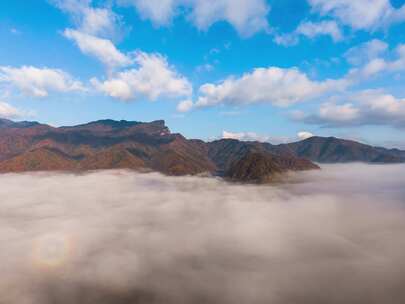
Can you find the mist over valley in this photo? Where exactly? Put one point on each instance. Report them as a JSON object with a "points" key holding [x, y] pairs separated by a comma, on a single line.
{"points": [[325, 236]]}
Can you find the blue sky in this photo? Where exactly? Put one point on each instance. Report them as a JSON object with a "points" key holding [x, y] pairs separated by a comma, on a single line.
{"points": [[274, 70]]}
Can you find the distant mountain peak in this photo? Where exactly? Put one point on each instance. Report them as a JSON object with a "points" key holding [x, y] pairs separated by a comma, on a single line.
{"points": [[119, 124], [337, 150], [111, 123], [6, 123], [160, 122]]}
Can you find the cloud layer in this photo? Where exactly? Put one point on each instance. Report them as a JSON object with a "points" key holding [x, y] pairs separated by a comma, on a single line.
{"points": [[365, 15], [96, 21], [311, 30], [246, 16], [333, 236], [363, 108], [360, 14]]}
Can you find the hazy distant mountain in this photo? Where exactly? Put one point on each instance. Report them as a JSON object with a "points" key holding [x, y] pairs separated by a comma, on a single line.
{"points": [[109, 144], [335, 150], [317, 149]]}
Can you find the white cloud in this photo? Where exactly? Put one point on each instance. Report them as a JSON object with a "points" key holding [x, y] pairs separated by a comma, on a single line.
{"points": [[399, 63], [275, 140], [38, 82], [277, 86], [160, 12], [204, 68], [246, 16], [103, 49], [366, 52], [153, 78], [311, 30], [151, 238], [376, 65], [252, 136], [288, 86], [304, 135], [10, 112], [90, 20], [288, 39], [98, 21], [372, 68], [245, 136], [185, 106], [371, 107], [95, 27], [360, 14], [342, 113]]}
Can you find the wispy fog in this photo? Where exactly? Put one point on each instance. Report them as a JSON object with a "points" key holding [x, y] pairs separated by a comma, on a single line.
{"points": [[115, 237]]}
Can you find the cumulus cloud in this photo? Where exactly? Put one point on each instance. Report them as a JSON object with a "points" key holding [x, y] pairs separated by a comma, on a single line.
{"points": [[304, 135], [287, 86], [366, 52], [155, 239], [10, 112], [253, 136], [246, 16], [286, 39], [273, 85], [38, 82], [245, 136], [311, 30], [371, 107], [185, 106], [360, 14], [96, 21], [153, 78], [369, 15], [103, 49], [373, 60], [160, 12]]}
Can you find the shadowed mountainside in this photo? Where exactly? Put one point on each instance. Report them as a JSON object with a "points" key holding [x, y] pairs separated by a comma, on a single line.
{"points": [[265, 167], [109, 144]]}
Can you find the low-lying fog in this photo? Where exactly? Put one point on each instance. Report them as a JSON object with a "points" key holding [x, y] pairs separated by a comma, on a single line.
{"points": [[115, 237]]}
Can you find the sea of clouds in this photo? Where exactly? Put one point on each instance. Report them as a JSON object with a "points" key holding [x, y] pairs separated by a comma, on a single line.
{"points": [[117, 237]]}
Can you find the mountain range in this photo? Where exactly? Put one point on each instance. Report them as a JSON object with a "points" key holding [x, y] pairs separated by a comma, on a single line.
{"points": [[110, 144]]}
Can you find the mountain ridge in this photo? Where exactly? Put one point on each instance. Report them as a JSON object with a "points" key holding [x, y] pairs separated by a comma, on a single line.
{"points": [[336, 150], [111, 144]]}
